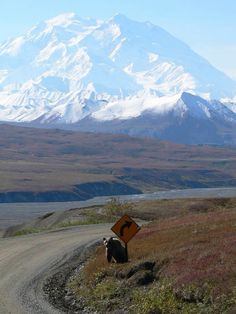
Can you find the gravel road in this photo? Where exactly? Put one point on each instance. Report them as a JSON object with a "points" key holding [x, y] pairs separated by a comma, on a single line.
{"points": [[26, 261]]}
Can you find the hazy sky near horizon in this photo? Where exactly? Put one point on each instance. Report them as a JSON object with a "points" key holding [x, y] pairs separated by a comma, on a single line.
{"points": [[207, 26]]}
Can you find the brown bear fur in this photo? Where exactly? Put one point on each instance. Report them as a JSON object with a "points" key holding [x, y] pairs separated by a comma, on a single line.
{"points": [[115, 250]]}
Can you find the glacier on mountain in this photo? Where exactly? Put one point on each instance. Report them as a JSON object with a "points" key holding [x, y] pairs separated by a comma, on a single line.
{"points": [[68, 68]]}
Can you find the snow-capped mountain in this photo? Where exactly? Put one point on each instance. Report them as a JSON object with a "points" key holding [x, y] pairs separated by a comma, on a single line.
{"points": [[68, 69], [230, 103], [190, 120]]}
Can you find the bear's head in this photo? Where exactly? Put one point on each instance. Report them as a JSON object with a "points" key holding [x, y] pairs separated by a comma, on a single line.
{"points": [[108, 242]]}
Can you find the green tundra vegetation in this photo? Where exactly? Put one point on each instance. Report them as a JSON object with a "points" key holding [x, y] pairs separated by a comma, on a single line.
{"points": [[182, 261]]}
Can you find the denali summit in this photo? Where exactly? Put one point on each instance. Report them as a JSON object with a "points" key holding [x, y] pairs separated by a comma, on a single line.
{"points": [[115, 76]]}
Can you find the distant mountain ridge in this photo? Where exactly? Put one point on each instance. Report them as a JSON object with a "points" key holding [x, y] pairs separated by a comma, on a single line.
{"points": [[81, 72], [192, 120]]}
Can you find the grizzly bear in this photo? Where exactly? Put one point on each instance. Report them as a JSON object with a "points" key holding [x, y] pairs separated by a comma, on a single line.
{"points": [[115, 250]]}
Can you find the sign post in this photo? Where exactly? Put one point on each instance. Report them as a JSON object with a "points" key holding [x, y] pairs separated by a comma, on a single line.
{"points": [[125, 228]]}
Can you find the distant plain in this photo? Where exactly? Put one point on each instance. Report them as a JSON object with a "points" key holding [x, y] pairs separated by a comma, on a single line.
{"points": [[48, 160]]}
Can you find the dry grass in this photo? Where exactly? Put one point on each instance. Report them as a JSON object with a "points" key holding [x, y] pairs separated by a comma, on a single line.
{"points": [[194, 252], [198, 248]]}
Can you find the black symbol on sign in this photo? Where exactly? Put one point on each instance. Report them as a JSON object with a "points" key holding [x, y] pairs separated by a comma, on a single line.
{"points": [[127, 224]]}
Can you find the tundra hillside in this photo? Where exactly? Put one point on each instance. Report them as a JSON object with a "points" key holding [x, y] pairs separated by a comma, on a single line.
{"points": [[184, 261], [58, 163]]}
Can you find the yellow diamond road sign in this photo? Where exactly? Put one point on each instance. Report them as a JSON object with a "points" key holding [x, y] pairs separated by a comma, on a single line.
{"points": [[125, 228]]}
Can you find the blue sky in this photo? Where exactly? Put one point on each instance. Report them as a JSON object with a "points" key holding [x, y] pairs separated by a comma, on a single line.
{"points": [[207, 26]]}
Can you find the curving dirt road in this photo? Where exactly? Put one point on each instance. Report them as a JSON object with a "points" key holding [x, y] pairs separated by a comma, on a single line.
{"points": [[27, 260]]}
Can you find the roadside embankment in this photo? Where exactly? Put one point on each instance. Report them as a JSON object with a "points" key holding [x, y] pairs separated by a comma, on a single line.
{"points": [[182, 262]]}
